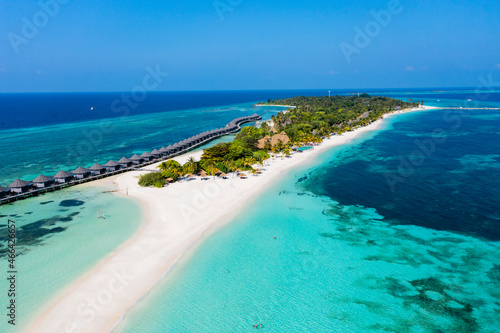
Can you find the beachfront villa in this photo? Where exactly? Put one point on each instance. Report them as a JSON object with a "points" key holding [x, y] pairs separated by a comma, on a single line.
{"points": [[81, 173], [97, 169], [280, 137], [19, 186], [62, 177], [124, 162], [136, 159], [112, 166], [262, 142], [42, 181]]}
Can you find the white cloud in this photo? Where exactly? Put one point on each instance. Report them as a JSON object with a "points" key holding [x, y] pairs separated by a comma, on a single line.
{"points": [[497, 66], [409, 69]]}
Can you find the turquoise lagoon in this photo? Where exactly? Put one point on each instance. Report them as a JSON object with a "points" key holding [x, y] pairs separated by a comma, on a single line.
{"points": [[59, 238], [305, 258]]}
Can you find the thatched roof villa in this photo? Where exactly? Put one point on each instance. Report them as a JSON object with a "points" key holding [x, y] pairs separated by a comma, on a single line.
{"points": [[42, 181], [19, 186]]}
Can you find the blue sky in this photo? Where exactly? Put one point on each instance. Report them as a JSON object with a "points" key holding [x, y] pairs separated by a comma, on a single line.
{"points": [[247, 44]]}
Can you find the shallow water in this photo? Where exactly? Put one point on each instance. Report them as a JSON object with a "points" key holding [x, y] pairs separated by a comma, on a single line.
{"points": [[408, 262], [58, 239]]}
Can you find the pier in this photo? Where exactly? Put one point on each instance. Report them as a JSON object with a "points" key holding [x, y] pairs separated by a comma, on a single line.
{"points": [[20, 190]]}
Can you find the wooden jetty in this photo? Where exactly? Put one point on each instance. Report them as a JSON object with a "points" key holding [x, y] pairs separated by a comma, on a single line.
{"points": [[8, 195]]}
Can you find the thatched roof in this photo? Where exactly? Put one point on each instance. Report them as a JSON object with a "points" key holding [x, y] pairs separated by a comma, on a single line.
{"points": [[163, 150], [203, 173], [4, 189], [42, 179], [124, 160], [242, 175], [135, 158], [62, 174], [176, 145], [155, 152], [238, 170], [169, 179], [80, 171], [223, 175], [262, 142], [111, 163], [280, 137], [96, 167], [146, 154], [19, 183]]}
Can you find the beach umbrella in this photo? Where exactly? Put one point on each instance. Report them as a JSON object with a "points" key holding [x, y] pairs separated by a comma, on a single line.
{"points": [[242, 175], [223, 175], [238, 171], [168, 180], [203, 173]]}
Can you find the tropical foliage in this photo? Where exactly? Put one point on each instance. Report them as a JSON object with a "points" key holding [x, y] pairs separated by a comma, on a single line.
{"points": [[312, 119]]}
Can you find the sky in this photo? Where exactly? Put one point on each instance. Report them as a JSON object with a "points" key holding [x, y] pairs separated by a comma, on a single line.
{"points": [[69, 45]]}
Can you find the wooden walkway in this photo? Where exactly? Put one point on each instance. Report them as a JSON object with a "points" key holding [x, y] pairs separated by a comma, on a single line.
{"points": [[140, 167]]}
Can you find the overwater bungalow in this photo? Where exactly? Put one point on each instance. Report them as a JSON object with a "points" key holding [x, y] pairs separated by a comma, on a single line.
{"points": [[147, 156], [62, 177], [97, 169], [4, 191], [125, 162], [112, 166], [81, 173], [164, 151], [136, 159], [156, 153], [19, 186], [42, 181], [176, 147]]}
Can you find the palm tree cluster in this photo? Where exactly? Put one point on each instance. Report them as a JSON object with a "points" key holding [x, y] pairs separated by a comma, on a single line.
{"points": [[311, 120], [316, 117]]}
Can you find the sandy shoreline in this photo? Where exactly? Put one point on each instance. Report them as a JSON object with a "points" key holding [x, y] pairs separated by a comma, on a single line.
{"points": [[176, 218]]}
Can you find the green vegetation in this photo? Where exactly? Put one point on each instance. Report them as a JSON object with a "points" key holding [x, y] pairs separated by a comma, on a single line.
{"points": [[323, 116], [155, 179], [313, 119]]}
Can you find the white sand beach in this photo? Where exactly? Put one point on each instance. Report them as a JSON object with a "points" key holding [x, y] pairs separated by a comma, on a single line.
{"points": [[176, 218]]}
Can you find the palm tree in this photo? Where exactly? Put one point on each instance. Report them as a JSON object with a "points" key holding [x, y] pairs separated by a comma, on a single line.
{"points": [[170, 164], [248, 161], [212, 170], [191, 166]]}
